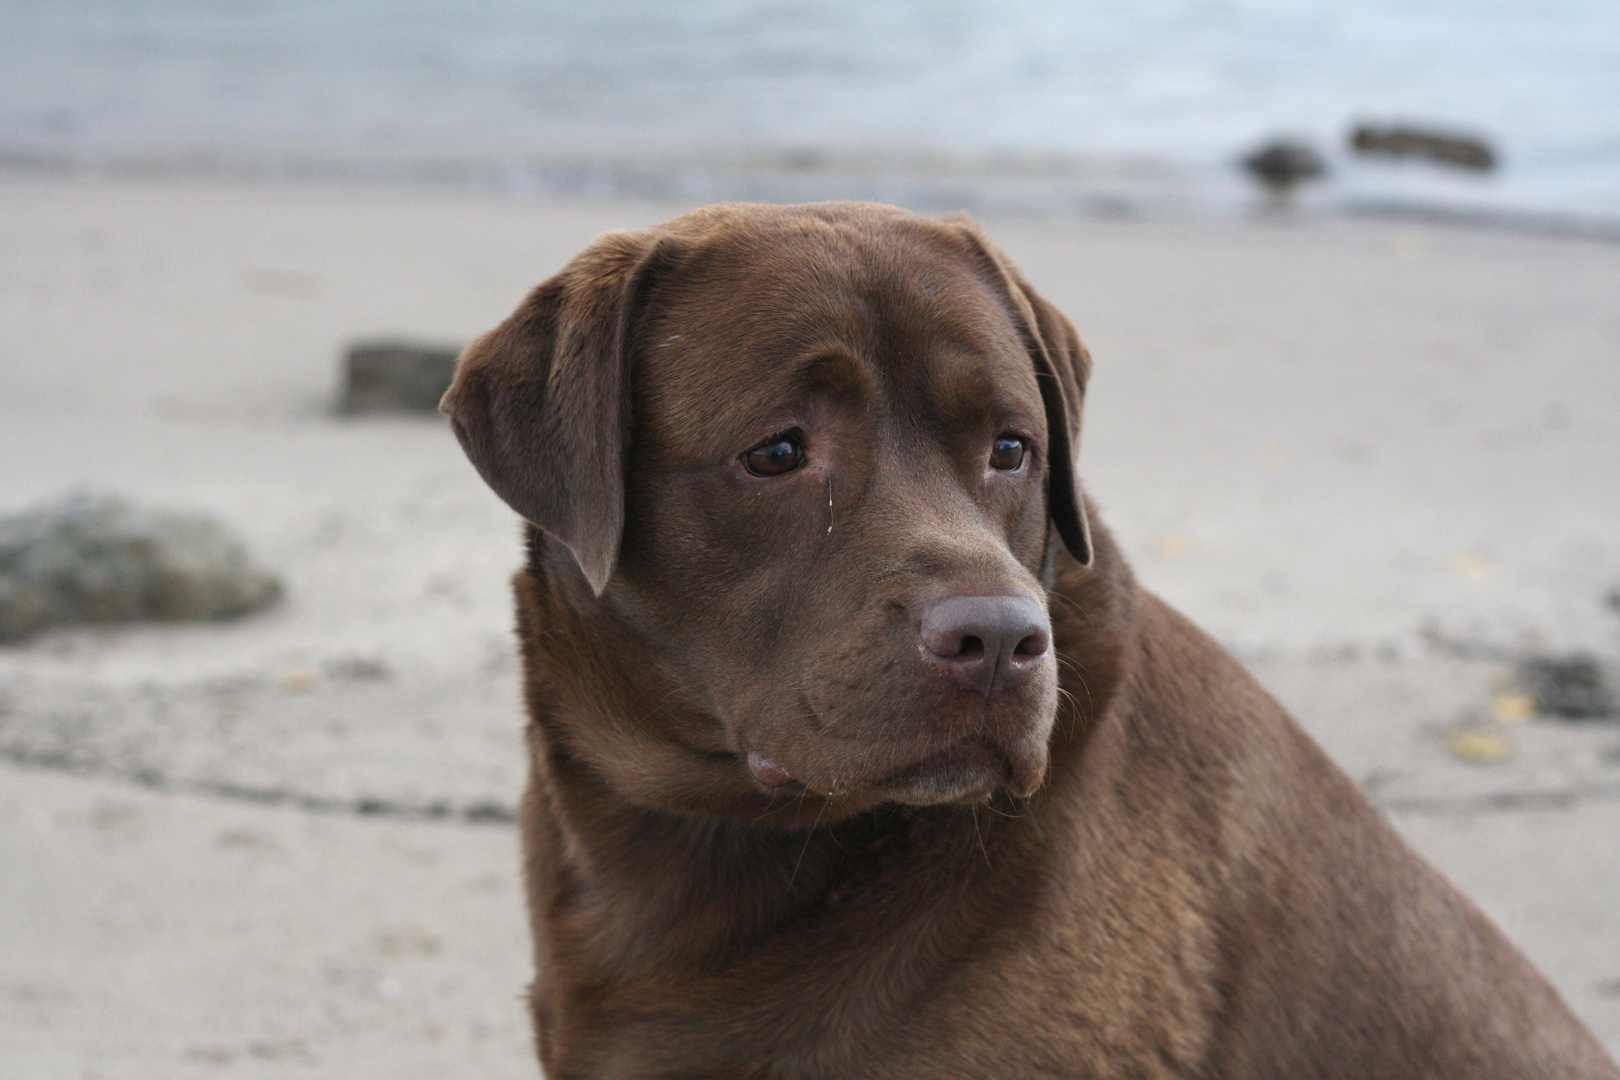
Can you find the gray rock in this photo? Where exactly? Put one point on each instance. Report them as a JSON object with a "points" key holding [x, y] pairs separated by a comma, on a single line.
{"points": [[396, 377], [1440, 147], [1575, 687], [96, 559], [1282, 164]]}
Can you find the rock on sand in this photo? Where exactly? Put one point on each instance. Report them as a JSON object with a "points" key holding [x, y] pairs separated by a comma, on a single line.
{"points": [[97, 559], [396, 377]]}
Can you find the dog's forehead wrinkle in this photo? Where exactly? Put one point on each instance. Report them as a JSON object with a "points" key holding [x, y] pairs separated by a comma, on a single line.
{"points": [[755, 361], [836, 371], [787, 261], [850, 312]]}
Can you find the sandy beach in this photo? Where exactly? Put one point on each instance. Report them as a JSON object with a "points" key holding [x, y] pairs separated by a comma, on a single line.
{"points": [[1376, 458]]}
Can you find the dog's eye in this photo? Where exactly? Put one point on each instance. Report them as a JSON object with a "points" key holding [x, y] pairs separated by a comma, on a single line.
{"points": [[1008, 453], [775, 457]]}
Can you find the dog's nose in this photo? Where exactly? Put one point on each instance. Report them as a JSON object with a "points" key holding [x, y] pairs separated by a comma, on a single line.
{"points": [[986, 643]]}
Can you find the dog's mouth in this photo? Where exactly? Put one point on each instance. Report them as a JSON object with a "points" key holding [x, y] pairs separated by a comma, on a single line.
{"points": [[966, 771]]}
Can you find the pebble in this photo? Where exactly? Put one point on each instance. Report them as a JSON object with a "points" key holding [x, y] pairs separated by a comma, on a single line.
{"points": [[1442, 148], [1479, 747], [1576, 686], [1282, 164]]}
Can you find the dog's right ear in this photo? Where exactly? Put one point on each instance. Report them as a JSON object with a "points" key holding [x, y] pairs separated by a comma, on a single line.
{"points": [[541, 404]]}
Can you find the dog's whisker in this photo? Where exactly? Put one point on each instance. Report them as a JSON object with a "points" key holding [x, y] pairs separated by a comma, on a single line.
{"points": [[1080, 675], [772, 807], [1086, 615], [808, 836], [1002, 813], [977, 835], [662, 702]]}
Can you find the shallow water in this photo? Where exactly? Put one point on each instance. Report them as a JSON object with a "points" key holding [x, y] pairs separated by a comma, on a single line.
{"points": [[1120, 104]]}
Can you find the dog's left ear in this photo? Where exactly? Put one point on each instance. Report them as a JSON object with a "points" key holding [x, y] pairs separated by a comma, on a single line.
{"points": [[1062, 366], [541, 404]]}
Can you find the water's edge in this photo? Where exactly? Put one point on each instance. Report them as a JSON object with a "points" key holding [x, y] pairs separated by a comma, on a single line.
{"points": [[1044, 189]]}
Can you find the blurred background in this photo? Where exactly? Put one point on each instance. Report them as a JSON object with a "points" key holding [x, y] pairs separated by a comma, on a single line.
{"points": [[1031, 104], [1349, 272]]}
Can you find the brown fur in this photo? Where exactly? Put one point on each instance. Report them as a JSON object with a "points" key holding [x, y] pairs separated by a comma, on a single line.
{"points": [[1131, 864]]}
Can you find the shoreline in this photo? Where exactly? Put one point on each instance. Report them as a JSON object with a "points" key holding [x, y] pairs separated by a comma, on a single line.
{"points": [[1035, 188]]}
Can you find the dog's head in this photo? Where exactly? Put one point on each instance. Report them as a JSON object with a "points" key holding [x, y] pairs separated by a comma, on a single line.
{"points": [[820, 460]]}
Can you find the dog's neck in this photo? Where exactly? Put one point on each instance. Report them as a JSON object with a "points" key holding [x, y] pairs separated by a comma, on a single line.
{"points": [[702, 886]]}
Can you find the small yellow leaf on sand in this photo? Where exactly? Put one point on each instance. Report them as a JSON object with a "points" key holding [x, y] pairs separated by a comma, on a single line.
{"points": [[1513, 708], [1479, 747]]}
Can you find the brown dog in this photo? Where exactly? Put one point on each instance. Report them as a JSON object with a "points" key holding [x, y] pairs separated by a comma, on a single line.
{"points": [[819, 788]]}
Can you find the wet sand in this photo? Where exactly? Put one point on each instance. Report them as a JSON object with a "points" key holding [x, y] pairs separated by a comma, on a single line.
{"points": [[1376, 459]]}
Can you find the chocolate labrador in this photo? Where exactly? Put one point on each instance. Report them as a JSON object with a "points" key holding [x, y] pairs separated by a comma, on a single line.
{"points": [[857, 752]]}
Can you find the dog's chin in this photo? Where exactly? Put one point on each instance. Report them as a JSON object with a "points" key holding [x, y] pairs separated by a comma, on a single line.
{"points": [[970, 771]]}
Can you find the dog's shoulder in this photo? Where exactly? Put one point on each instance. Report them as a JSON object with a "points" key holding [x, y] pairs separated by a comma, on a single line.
{"points": [[1328, 943]]}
